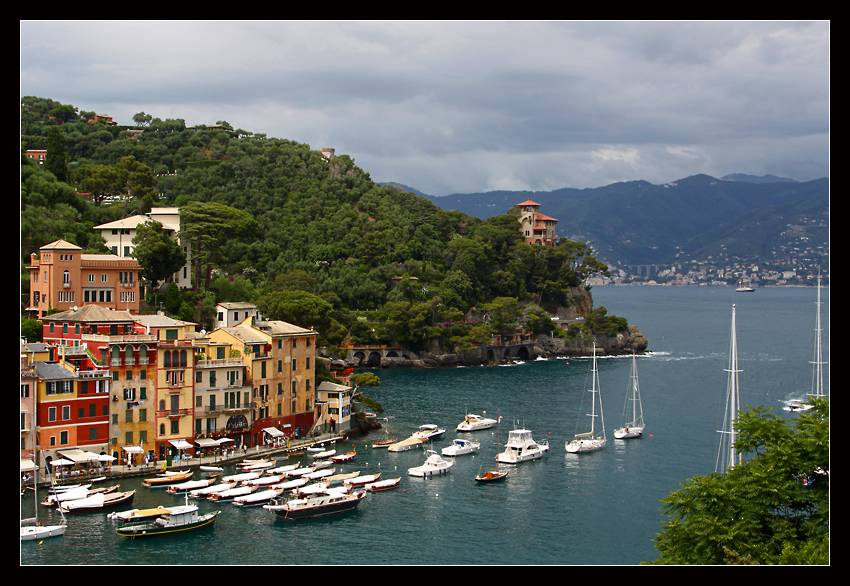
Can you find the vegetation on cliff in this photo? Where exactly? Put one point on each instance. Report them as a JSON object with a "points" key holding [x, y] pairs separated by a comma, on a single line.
{"points": [[311, 241]]}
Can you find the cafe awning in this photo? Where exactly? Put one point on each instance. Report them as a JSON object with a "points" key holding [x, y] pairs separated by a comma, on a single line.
{"points": [[180, 444], [273, 431], [133, 449], [206, 442], [79, 456]]}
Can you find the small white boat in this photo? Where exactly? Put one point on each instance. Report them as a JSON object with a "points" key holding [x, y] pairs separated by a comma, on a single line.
{"points": [[460, 447], [362, 480], [138, 515], [338, 479], [521, 447], [203, 493], [315, 488], [475, 422], [281, 470], [257, 466], [212, 468], [325, 454], [298, 472], [290, 484], [241, 477], [319, 464], [263, 481], [232, 493], [429, 431], [347, 457], [190, 485], [383, 485], [315, 475], [257, 498], [434, 465]]}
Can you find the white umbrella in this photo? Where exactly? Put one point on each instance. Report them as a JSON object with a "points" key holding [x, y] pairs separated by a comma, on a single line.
{"points": [[106, 458], [61, 462]]}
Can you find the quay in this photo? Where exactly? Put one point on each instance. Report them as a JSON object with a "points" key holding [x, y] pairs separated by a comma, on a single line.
{"points": [[116, 471]]}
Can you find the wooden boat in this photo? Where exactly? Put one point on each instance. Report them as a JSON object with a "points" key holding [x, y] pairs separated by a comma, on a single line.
{"points": [[494, 474], [80, 492], [177, 519], [98, 502], [241, 477], [317, 474], [139, 515], [263, 481], [388, 484], [212, 469], [387, 441], [203, 493], [362, 480], [331, 502], [324, 454], [347, 457], [338, 479], [166, 479], [291, 484], [232, 493]]}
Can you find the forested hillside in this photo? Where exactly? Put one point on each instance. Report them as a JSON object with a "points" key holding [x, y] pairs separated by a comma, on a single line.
{"points": [[313, 242]]}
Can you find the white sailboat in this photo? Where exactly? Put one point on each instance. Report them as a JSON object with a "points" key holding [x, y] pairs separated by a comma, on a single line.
{"points": [[727, 454], [817, 364], [590, 442], [31, 529], [635, 427]]}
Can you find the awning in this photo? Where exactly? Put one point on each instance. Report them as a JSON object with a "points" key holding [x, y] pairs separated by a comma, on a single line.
{"points": [[27, 466], [79, 456], [273, 431], [206, 442], [224, 440], [133, 449], [180, 444]]}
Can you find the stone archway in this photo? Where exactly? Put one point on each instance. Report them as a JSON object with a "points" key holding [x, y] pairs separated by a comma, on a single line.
{"points": [[374, 359]]}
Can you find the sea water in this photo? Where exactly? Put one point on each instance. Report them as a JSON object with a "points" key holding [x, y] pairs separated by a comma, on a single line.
{"points": [[598, 508]]}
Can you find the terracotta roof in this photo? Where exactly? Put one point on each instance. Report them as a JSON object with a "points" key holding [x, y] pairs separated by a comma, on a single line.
{"points": [[60, 245], [528, 202], [91, 313]]}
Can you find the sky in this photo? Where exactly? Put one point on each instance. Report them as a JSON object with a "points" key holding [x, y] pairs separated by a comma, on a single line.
{"points": [[469, 106]]}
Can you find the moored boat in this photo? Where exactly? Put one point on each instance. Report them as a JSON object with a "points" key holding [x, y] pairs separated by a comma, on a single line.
{"points": [[460, 447], [475, 422], [98, 502], [166, 479], [257, 498], [589, 441], [429, 431], [330, 502], [324, 454], [362, 480], [434, 465], [380, 485], [521, 447], [347, 457], [177, 519], [232, 493], [189, 485], [633, 427], [407, 444]]}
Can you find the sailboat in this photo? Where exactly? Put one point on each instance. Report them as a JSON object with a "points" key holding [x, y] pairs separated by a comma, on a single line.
{"points": [[387, 441], [633, 428], [727, 454], [493, 475], [586, 442], [817, 362]]}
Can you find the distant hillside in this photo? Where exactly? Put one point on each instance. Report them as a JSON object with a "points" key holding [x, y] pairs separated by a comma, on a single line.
{"points": [[757, 179], [637, 222]]}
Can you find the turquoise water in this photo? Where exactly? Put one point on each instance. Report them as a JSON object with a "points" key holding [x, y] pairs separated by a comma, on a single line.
{"points": [[599, 508]]}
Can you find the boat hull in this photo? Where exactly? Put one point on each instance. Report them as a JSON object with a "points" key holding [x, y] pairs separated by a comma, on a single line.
{"points": [[584, 446], [492, 476], [322, 510], [630, 432], [150, 529], [383, 485], [41, 532]]}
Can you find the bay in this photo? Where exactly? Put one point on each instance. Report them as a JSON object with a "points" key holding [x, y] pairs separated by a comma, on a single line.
{"points": [[600, 508]]}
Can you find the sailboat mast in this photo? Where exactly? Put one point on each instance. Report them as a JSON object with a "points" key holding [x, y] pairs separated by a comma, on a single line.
{"points": [[817, 382], [729, 434]]}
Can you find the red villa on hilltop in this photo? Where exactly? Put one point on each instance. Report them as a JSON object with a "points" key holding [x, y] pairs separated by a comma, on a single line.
{"points": [[537, 228]]}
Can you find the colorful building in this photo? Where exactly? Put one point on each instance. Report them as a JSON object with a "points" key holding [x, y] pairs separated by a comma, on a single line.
{"points": [[62, 277]]}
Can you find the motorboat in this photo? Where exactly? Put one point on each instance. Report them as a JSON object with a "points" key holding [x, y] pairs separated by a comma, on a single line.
{"points": [[429, 431], [475, 422], [460, 447], [497, 473], [98, 502], [330, 502], [388, 484], [434, 465], [407, 444], [521, 447], [177, 519], [166, 479]]}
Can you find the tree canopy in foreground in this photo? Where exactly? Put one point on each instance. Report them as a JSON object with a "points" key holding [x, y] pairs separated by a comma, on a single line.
{"points": [[771, 509]]}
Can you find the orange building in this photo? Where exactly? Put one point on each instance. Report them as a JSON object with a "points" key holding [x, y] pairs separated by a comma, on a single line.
{"points": [[62, 277], [537, 228]]}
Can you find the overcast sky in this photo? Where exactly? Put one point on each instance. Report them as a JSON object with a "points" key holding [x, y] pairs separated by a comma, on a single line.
{"points": [[466, 106]]}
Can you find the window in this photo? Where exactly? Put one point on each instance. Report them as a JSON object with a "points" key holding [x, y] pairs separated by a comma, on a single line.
{"points": [[51, 413], [92, 433], [66, 278], [66, 413], [143, 415], [199, 377], [128, 416], [63, 438], [91, 277]]}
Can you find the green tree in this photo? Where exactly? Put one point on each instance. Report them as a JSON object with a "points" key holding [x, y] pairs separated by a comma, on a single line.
{"points": [[504, 313], [159, 256], [296, 307], [207, 226], [772, 508], [57, 155], [142, 119]]}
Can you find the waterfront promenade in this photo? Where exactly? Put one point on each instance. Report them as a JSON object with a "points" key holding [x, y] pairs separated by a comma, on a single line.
{"points": [[231, 456]]}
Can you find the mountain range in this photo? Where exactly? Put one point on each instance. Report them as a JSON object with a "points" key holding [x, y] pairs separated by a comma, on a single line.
{"points": [[638, 223]]}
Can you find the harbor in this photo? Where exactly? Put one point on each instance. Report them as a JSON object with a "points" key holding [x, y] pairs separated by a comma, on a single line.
{"points": [[597, 508]]}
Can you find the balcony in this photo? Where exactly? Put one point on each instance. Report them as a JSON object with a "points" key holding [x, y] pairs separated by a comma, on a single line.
{"points": [[171, 414]]}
